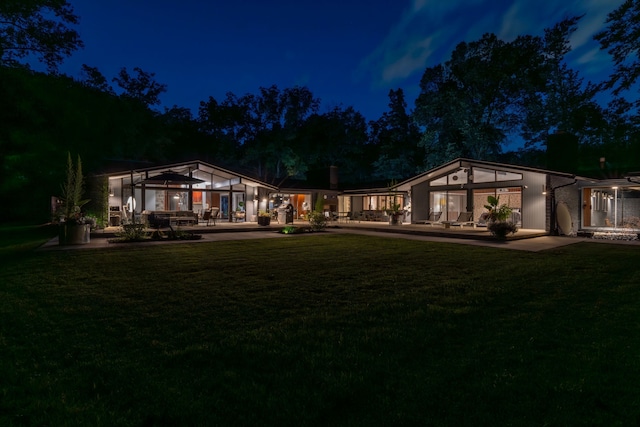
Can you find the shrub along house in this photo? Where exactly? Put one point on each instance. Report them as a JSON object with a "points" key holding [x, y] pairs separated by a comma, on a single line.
{"points": [[189, 187]]}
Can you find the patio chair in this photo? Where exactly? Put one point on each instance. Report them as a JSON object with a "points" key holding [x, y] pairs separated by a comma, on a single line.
{"points": [[211, 215], [434, 218], [465, 218], [238, 216]]}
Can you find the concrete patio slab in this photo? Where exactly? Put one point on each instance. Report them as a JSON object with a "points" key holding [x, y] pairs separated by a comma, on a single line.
{"points": [[525, 240]]}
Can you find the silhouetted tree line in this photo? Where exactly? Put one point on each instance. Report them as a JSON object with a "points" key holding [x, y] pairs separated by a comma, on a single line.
{"points": [[486, 95]]}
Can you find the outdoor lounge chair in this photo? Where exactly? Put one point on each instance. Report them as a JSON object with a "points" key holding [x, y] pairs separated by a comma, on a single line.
{"points": [[434, 218], [482, 221], [465, 218]]}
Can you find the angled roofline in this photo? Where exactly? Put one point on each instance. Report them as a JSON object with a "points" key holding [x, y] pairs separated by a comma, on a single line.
{"points": [[464, 162], [194, 163], [373, 190]]}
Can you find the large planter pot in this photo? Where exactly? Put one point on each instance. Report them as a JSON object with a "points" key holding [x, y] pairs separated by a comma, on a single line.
{"points": [[264, 220], [500, 229], [74, 234], [395, 219]]}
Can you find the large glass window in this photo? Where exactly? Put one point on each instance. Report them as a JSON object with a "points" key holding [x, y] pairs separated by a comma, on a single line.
{"points": [[302, 203], [614, 207], [178, 200], [507, 176], [382, 203], [490, 175], [458, 177], [238, 202], [450, 203], [511, 196]]}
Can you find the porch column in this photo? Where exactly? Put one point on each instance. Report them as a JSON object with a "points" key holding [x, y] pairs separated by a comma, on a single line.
{"points": [[190, 196]]}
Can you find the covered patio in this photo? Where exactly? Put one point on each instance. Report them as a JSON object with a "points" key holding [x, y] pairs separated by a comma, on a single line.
{"points": [[184, 192]]}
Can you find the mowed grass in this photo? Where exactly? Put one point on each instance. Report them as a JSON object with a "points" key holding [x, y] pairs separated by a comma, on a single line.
{"points": [[327, 329], [17, 238]]}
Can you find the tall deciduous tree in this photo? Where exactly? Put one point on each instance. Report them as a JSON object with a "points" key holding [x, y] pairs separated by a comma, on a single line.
{"points": [[141, 87], [93, 78], [621, 38], [491, 92], [40, 28], [466, 106], [277, 117], [338, 138], [266, 128], [396, 137], [227, 125], [565, 102]]}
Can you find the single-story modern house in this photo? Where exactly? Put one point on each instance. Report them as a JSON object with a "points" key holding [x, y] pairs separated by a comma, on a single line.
{"points": [[540, 199], [555, 202]]}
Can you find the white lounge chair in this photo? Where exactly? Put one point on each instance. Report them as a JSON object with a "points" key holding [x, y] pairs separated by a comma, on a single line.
{"points": [[465, 218], [434, 218], [482, 221]]}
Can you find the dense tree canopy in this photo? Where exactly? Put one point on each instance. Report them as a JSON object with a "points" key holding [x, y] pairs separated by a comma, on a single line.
{"points": [[468, 106], [563, 102], [621, 38], [491, 92], [40, 28], [395, 135], [488, 93]]}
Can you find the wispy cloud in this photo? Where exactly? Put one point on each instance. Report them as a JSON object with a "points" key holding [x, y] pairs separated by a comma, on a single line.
{"points": [[411, 43], [429, 30], [413, 58], [527, 17], [595, 14]]}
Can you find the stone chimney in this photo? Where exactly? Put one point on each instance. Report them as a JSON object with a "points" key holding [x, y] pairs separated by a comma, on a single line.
{"points": [[333, 177]]}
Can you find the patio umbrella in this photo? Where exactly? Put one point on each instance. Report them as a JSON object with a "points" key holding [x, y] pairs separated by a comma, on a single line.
{"points": [[171, 178]]}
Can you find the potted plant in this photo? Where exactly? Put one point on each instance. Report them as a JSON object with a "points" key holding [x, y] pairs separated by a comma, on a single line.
{"points": [[395, 214], [75, 229], [264, 218], [497, 222]]}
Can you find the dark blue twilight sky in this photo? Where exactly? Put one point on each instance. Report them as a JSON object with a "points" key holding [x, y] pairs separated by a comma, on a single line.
{"points": [[348, 52]]}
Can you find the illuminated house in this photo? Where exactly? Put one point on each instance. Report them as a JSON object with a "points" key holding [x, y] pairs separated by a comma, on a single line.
{"points": [[185, 187], [536, 197], [555, 202]]}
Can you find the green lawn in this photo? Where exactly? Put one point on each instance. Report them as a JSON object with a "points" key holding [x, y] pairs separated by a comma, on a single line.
{"points": [[17, 238], [331, 330]]}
